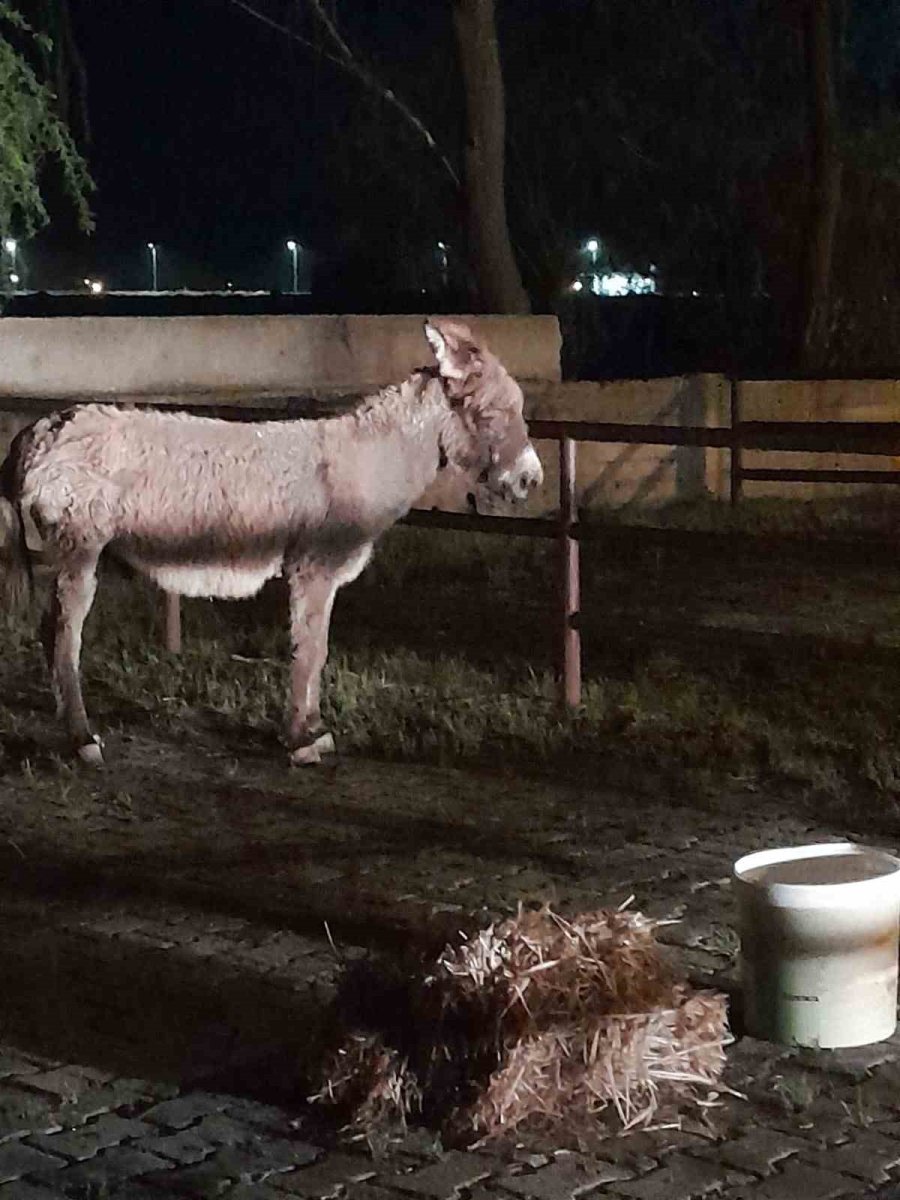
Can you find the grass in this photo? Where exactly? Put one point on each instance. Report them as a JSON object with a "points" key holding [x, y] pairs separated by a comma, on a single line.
{"points": [[715, 672]]}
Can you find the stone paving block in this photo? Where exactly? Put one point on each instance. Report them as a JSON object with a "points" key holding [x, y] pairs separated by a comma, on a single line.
{"points": [[20, 1190], [758, 1150], [182, 1111], [800, 1182], [108, 1130], [444, 1178], [326, 1178], [253, 1191], [825, 1125], [67, 1083], [856, 1062], [17, 1159], [219, 1129], [91, 1104], [12, 1063], [186, 1147], [568, 1176], [371, 1191], [869, 1156], [24, 1112], [116, 924], [883, 1088], [216, 1175], [264, 1116], [106, 1169], [682, 1178]]}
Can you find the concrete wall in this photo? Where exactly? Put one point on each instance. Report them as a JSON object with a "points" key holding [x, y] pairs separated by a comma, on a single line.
{"points": [[233, 360], [169, 357]]}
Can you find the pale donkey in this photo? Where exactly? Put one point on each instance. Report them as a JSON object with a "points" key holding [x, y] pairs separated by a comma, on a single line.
{"points": [[209, 507]]}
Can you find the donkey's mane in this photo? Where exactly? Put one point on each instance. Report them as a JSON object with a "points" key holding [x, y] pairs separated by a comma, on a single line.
{"points": [[384, 409]]}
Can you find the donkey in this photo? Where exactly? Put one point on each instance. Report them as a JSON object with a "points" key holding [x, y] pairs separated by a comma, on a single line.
{"points": [[209, 507]]}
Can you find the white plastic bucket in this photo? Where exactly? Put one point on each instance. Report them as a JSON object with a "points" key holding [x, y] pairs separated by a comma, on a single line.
{"points": [[819, 935]]}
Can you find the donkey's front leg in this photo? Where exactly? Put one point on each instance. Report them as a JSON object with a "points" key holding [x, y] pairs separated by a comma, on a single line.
{"points": [[75, 586], [312, 593]]}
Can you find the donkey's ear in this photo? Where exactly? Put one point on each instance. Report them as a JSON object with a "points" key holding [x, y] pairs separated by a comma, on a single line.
{"points": [[457, 355]]}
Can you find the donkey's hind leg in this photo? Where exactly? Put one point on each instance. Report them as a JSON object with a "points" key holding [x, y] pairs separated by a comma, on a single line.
{"points": [[311, 598], [76, 583], [313, 587]]}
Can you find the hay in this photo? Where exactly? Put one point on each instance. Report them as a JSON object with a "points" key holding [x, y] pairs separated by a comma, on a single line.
{"points": [[537, 1018]]}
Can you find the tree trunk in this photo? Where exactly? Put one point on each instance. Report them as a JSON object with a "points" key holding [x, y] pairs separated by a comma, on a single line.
{"points": [[825, 180], [493, 262]]}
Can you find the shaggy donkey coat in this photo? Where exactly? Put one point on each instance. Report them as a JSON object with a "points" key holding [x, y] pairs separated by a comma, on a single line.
{"points": [[215, 508]]}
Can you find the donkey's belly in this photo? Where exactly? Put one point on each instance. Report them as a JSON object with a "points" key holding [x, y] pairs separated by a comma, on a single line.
{"points": [[226, 580]]}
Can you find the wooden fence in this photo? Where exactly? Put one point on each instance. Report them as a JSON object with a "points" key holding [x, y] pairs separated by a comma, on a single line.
{"points": [[568, 530], [831, 437]]}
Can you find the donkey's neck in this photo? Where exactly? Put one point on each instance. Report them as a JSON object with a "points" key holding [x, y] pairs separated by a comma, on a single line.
{"points": [[381, 457]]}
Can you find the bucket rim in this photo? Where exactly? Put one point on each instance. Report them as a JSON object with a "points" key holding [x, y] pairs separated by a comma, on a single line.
{"points": [[817, 893]]}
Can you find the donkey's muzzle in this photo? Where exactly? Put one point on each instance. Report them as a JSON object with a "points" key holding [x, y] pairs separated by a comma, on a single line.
{"points": [[525, 476]]}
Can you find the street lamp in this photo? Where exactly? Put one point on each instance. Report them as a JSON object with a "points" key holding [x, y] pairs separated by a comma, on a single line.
{"points": [[11, 246], [592, 245], [293, 247], [151, 246], [94, 286]]}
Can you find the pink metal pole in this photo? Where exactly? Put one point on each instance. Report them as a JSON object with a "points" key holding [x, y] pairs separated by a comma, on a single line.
{"points": [[173, 622], [570, 578]]}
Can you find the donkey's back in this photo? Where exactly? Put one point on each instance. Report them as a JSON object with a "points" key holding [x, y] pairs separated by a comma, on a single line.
{"points": [[204, 507]]}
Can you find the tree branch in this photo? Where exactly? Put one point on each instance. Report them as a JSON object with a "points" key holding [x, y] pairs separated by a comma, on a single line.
{"points": [[343, 57]]}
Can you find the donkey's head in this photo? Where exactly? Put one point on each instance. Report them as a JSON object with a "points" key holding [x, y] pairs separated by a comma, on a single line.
{"points": [[485, 435]]}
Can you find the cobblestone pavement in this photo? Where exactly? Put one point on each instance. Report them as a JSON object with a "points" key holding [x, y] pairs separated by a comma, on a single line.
{"points": [[164, 970]]}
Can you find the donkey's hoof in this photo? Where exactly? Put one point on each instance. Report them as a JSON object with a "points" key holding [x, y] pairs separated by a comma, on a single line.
{"points": [[305, 756], [324, 743], [91, 753], [311, 753]]}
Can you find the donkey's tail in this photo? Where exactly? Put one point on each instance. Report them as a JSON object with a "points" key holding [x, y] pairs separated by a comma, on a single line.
{"points": [[16, 575]]}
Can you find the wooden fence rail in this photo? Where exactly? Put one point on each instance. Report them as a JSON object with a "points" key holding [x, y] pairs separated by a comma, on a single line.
{"points": [[833, 437]]}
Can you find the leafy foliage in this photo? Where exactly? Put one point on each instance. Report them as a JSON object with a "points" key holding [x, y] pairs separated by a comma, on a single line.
{"points": [[32, 134]]}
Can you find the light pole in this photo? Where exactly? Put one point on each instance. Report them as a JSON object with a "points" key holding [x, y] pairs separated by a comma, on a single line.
{"points": [[293, 247], [11, 246], [151, 246], [444, 262], [592, 246]]}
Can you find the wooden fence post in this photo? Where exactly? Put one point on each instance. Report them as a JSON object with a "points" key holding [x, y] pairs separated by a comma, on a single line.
{"points": [[737, 453], [569, 578], [173, 622]]}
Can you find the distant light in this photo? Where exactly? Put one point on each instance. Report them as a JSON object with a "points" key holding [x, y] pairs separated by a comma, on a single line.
{"points": [[618, 283], [14, 278], [96, 286], [292, 245], [577, 286], [442, 245], [592, 246], [151, 245], [9, 245]]}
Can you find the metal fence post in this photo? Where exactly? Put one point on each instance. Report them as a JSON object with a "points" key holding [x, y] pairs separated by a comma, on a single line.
{"points": [[173, 622], [569, 578]]}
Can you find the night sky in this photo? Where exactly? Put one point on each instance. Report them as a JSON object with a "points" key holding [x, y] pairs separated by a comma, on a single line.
{"points": [[206, 137], [218, 138]]}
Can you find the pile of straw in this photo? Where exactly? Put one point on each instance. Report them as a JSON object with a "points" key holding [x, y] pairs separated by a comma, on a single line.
{"points": [[537, 1018]]}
